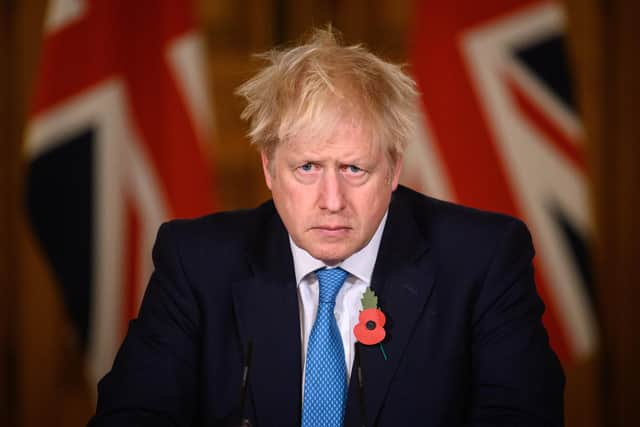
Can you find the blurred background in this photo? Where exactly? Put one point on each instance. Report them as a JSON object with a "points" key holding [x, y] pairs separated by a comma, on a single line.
{"points": [[117, 115]]}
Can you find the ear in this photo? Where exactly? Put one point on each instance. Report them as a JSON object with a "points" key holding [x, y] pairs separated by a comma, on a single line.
{"points": [[265, 169], [397, 170]]}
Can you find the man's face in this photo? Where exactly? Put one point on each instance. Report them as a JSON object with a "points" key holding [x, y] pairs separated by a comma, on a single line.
{"points": [[331, 195]]}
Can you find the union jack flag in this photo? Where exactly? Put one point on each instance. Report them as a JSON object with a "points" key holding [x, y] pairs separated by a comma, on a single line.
{"points": [[501, 132], [114, 140]]}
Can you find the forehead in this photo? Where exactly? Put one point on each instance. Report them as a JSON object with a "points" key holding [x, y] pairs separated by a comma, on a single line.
{"points": [[346, 138]]}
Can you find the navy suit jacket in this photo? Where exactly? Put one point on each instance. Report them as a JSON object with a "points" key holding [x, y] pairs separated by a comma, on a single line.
{"points": [[465, 342]]}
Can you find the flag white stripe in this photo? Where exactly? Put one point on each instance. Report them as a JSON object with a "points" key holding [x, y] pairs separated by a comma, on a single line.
{"points": [[61, 13], [422, 168], [186, 59]]}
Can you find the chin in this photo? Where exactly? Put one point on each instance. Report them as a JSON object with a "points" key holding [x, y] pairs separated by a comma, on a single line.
{"points": [[331, 256]]}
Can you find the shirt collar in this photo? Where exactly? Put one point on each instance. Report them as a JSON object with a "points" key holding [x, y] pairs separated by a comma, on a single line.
{"points": [[360, 264]]}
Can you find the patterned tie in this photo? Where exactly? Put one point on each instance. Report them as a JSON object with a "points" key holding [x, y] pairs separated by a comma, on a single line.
{"points": [[325, 383]]}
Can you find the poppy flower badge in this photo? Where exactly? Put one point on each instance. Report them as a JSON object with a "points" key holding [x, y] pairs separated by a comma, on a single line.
{"points": [[370, 328]]}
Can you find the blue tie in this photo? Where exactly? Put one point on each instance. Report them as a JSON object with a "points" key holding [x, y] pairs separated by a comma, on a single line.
{"points": [[325, 383]]}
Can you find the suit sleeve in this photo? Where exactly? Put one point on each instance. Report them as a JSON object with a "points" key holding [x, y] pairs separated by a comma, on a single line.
{"points": [[153, 380], [517, 379]]}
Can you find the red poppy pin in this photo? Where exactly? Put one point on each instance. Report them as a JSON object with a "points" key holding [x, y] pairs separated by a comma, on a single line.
{"points": [[370, 328]]}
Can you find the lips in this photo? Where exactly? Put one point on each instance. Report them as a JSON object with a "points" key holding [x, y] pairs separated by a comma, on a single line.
{"points": [[331, 230], [331, 227]]}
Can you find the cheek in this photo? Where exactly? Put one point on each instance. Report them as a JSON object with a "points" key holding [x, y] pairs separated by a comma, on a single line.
{"points": [[372, 206], [376, 199], [293, 204]]}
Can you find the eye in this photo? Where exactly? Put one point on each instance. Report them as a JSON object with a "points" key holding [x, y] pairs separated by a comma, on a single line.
{"points": [[307, 167], [353, 170], [355, 174]]}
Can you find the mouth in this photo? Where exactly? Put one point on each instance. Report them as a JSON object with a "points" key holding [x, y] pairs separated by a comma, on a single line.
{"points": [[331, 230]]}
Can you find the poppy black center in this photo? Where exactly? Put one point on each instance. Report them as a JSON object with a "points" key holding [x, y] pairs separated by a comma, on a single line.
{"points": [[371, 325]]}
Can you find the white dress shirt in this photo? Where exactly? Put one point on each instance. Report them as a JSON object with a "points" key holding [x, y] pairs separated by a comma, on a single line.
{"points": [[360, 268]]}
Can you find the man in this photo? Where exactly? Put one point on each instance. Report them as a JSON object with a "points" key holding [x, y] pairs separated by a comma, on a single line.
{"points": [[273, 295]]}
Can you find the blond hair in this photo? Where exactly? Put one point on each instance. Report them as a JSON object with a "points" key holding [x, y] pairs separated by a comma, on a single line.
{"points": [[312, 87]]}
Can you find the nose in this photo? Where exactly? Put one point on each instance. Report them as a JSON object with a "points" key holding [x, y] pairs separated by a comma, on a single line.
{"points": [[331, 191]]}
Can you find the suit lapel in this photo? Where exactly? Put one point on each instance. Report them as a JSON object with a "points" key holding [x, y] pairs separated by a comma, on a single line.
{"points": [[403, 279], [267, 312]]}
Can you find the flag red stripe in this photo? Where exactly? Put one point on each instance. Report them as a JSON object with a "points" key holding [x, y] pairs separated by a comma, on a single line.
{"points": [[72, 60], [107, 43], [553, 134], [458, 121], [160, 111], [173, 146]]}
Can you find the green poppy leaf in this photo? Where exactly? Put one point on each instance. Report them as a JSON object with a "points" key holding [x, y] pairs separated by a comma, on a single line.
{"points": [[369, 299]]}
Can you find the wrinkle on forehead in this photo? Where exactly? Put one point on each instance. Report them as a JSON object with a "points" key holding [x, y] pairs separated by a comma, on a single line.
{"points": [[339, 138]]}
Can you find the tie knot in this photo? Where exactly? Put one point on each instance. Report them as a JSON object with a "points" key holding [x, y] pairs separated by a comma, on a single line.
{"points": [[331, 280]]}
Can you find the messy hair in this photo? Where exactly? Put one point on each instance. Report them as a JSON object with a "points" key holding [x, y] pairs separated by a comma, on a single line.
{"points": [[312, 87]]}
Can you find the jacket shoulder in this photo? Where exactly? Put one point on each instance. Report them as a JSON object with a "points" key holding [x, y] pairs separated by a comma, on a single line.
{"points": [[439, 210], [457, 228], [221, 235]]}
